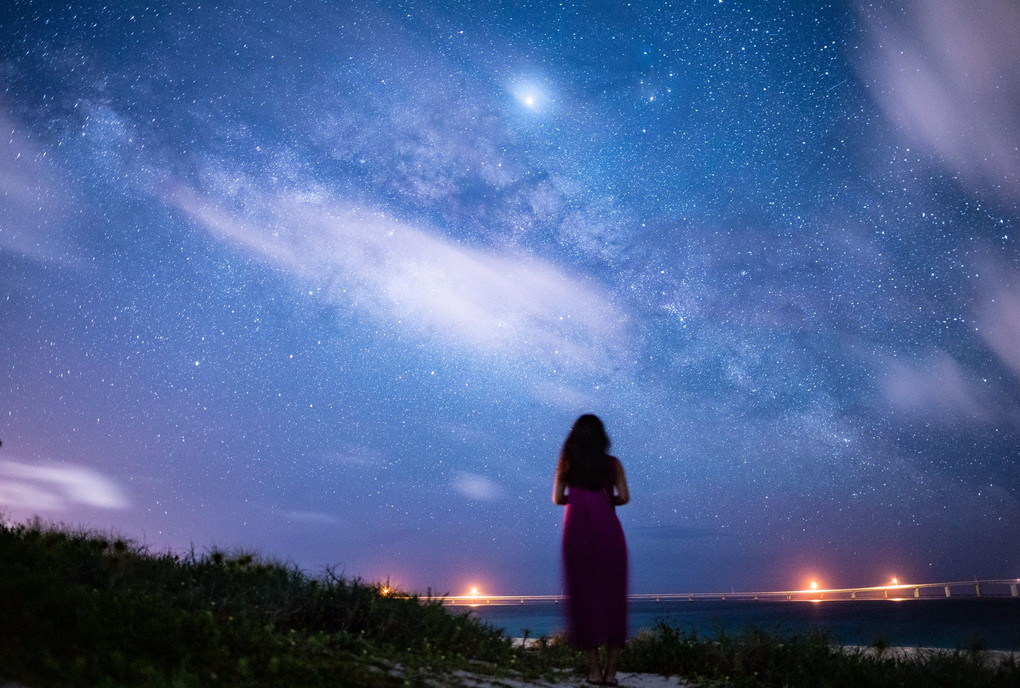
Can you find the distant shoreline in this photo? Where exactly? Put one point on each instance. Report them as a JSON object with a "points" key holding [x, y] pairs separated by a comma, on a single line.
{"points": [[989, 588], [901, 652], [957, 623]]}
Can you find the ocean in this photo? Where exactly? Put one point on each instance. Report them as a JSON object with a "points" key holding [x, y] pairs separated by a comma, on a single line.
{"points": [[990, 623]]}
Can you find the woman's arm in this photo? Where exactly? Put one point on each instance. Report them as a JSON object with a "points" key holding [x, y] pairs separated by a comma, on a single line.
{"points": [[559, 489], [622, 495]]}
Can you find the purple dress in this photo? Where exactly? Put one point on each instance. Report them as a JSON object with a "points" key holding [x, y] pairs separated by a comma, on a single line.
{"points": [[594, 569]]}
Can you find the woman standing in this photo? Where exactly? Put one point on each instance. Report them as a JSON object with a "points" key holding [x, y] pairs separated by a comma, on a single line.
{"points": [[591, 484]]}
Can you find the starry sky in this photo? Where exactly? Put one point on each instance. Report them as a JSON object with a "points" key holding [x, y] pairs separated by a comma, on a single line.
{"points": [[332, 281]]}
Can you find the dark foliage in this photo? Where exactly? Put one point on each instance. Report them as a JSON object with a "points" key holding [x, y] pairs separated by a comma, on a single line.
{"points": [[85, 609], [757, 658]]}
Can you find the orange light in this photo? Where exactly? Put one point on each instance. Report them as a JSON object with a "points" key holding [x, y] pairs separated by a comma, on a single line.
{"points": [[474, 592], [895, 581], [814, 585]]}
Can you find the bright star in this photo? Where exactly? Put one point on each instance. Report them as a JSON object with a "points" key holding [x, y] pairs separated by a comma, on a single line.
{"points": [[531, 94]]}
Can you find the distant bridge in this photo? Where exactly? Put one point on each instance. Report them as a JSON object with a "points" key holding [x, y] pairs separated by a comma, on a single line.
{"points": [[993, 588]]}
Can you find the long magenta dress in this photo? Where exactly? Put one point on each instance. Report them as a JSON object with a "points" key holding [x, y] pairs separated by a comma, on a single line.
{"points": [[594, 569]]}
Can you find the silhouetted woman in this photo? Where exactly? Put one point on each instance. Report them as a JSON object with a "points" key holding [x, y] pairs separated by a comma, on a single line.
{"points": [[591, 484]]}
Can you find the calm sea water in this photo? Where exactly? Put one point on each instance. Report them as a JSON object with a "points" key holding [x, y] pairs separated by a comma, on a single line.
{"points": [[945, 623]]}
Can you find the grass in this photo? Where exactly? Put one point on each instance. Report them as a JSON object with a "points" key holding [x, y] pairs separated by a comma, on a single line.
{"points": [[78, 608], [86, 609], [757, 658]]}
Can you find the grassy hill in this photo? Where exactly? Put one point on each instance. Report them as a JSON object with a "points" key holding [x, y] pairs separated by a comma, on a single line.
{"points": [[79, 608]]}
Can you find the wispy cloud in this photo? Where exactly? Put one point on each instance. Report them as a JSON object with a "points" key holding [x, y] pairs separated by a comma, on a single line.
{"points": [[56, 487], [475, 487], [35, 203], [945, 71], [999, 318], [937, 386], [311, 518], [494, 303]]}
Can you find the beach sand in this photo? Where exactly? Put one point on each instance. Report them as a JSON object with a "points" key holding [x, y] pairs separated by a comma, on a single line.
{"points": [[627, 680], [570, 679]]}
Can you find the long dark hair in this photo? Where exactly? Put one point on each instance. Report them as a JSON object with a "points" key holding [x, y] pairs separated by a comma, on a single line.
{"points": [[583, 459]]}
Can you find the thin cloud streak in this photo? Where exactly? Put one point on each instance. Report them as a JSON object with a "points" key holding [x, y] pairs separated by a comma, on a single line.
{"points": [[57, 487], [311, 518], [506, 305], [35, 203], [999, 319]]}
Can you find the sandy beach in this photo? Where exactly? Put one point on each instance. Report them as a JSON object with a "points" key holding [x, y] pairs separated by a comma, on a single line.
{"points": [[626, 680], [644, 680]]}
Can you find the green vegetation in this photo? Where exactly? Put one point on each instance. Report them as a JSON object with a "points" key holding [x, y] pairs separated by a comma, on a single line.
{"points": [[757, 658], [82, 609]]}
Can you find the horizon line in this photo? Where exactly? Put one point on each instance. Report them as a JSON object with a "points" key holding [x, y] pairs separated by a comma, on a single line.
{"points": [[989, 587]]}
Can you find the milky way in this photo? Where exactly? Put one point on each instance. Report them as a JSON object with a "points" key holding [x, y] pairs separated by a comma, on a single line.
{"points": [[333, 282]]}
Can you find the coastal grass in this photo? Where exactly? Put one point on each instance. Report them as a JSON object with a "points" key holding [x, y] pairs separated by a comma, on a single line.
{"points": [[79, 608], [810, 660]]}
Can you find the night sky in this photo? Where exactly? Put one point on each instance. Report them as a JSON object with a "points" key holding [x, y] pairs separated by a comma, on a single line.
{"points": [[332, 280]]}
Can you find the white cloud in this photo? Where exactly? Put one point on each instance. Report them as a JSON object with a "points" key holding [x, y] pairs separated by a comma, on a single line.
{"points": [[503, 304], [945, 71], [939, 386], [56, 487], [35, 204], [999, 319], [476, 487], [311, 518]]}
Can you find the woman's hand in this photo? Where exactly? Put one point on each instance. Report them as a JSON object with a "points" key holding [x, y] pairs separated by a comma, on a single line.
{"points": [[559, 490], [622, 495]]}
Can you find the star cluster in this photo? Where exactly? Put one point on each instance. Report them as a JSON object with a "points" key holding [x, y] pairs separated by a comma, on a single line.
{"points": [[333, 282]]}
